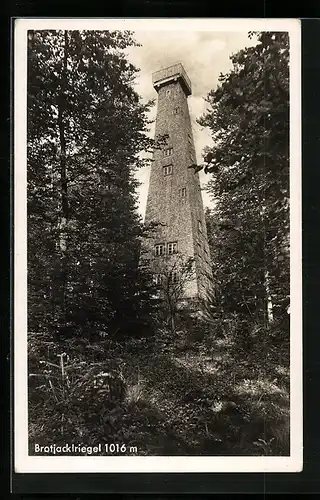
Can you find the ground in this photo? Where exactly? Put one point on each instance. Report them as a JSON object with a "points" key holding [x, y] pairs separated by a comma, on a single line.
{"points": [[182, 396]]}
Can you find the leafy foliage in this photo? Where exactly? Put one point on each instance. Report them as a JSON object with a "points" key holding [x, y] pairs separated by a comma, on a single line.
{"points": [[193, 388], [210, 398], [248, 116], [86, 127], [174, 275]]}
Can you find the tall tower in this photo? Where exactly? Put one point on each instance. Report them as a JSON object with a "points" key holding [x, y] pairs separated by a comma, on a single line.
{"points": [[174, 197]]}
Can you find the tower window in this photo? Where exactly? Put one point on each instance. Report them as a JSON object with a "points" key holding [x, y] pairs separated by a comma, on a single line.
{"points": [[183, 192], [174, 276], [176, 110], [159, 249], [199, 226], [172, 248], [168, 151], [167, 170], [168, 91], [157, 279]]}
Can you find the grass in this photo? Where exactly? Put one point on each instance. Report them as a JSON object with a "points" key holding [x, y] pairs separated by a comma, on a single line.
{"points": [[182, 397]]}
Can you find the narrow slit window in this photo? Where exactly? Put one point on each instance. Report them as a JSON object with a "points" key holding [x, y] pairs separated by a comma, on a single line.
{"points": [[172, 248], [159, 249], [167, 170], [183, 192], [199, 226]]}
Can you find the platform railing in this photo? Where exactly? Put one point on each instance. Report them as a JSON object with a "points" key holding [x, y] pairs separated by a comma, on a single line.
{"points": [[174, 70]]}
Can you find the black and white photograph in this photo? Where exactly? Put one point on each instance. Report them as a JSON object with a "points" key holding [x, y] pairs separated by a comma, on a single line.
{"points": [[157, 257]]}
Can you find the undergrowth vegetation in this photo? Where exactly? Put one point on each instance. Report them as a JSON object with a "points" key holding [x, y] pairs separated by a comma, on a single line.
{"points": [[108, 363], [196, 394]]}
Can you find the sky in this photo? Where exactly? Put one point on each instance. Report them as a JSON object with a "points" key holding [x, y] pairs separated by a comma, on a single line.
{"points": [[204, 55]]}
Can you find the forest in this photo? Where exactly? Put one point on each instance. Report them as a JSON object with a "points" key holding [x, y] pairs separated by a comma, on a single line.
{"points": [[109, 360]]}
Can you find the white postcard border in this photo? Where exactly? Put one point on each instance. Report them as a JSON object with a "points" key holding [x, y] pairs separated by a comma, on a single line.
{"points": [[22, 461]]}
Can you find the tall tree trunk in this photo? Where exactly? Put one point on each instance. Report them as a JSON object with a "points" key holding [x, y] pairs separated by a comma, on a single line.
{"points": [[172, 321], [64, 184], [269, 298]]}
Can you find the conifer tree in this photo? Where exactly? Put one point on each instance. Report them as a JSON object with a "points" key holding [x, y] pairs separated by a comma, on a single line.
{"points": [[86, 127], [248, 162]]}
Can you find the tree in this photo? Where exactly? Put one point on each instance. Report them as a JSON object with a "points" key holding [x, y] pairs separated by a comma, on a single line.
{"points": [[86, 128], [248, 116], [173, 275]]}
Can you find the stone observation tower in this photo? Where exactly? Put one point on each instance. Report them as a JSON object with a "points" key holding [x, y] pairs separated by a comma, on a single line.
{"points": [[174, 197]]}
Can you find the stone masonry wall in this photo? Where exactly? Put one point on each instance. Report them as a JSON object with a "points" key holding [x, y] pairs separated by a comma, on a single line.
{"points": [[182, 217]]}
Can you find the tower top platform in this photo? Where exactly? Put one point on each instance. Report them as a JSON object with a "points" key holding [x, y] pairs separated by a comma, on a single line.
{"points": [[170, 74]]}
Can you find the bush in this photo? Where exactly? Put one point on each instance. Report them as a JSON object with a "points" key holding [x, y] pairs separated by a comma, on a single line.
{"points": [[68, 392]]}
